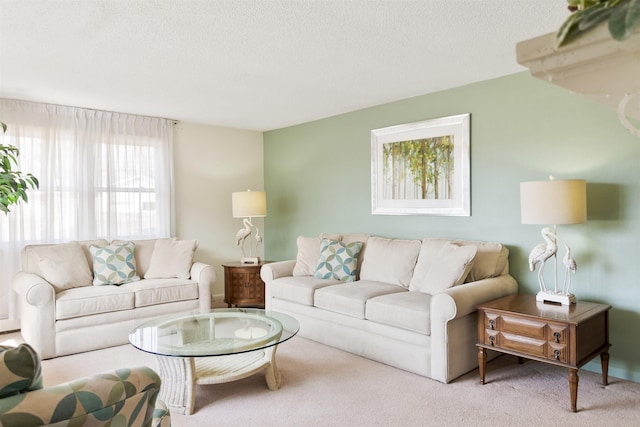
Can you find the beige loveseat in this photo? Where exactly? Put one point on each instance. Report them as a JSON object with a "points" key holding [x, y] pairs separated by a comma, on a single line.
{"points": [[87, 295], [411, 304]]}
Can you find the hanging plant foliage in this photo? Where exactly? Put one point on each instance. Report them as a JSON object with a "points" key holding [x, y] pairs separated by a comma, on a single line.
{"points": [[623, 18]]}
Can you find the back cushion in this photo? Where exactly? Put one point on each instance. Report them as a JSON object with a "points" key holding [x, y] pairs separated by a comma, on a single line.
{"points": [[390, 260], [64, 265], [142, 252], [491, 259], [30, 262], [441, 265]]}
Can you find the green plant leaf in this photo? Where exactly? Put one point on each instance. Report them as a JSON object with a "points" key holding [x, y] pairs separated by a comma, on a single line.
{"points": [[624, 19], [595, 17]]}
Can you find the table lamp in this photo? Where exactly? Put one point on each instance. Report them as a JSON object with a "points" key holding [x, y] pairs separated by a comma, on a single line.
{"points": [[553, 202], [249, 204]]}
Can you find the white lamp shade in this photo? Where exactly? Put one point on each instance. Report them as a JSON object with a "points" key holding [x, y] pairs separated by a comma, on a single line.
{"points": [[249, 204], [553, 202]]}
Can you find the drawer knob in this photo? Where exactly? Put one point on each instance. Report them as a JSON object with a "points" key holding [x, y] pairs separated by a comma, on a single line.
{"points": [[556, 336], [492, 339], [492, 324], [556, 354]]}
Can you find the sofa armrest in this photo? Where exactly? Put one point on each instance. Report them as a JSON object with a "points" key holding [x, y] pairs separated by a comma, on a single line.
{"points": [[128, 395], [37, 312], [33, 289], [458, 301], [205, 275], [454, 329], [274, 270]]}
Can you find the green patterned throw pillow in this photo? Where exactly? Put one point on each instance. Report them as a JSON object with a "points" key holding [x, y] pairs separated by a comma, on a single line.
{"points": [[338, 260], [20, 370], [114, 264]]}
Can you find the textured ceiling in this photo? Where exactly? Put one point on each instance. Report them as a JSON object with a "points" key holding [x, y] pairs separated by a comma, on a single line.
{"points": [[257, 64]]}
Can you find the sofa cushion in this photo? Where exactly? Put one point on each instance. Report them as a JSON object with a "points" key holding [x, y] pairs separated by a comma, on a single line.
{"points": [[160, 291], [491, 260], [142, 252], [309, 253], [390, 260], [338, 260], [114, 264], [20, 370], [63, 265], [351, 298], [171, 259], [299, 289], [90, 300], [407, 310], [441, 265]]}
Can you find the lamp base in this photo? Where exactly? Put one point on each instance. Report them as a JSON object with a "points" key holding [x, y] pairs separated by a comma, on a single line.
{"points": [[250, 260], [557, 297]]}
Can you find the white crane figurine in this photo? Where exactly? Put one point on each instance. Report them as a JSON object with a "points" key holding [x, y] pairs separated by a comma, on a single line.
{"points": [[541, 253], [242, 235]]}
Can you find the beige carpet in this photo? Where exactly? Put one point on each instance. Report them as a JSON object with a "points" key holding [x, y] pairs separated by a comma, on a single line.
{"points": [[323, 386]]}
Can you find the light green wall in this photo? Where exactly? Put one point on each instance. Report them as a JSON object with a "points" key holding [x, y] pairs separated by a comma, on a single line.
{"points": [[317, 178], [209, 164]]}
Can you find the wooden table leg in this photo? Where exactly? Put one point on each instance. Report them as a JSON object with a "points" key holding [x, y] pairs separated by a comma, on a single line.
{"points": [[573, 388], [482, 363], [604, 361]]}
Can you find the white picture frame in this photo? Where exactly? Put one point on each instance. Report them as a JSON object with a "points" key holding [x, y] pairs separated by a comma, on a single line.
{"points": [[422, 168]]}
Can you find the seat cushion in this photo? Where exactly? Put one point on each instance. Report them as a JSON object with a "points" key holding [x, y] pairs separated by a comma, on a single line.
{"points": [[407, 310], [161, 291], [298, 289], [89, 300], [351, 298]]}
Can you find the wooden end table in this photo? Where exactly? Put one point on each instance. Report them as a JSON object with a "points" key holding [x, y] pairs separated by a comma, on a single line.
{"points": [[243, 286], [568, 336]]}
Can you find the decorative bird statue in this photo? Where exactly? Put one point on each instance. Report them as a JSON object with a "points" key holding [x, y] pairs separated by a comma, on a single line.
{"points": [[571, 268], [243, 233], [541, 253]]}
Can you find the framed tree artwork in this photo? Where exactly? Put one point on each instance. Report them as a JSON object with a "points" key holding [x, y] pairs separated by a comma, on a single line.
{"points": [[422, 168]]}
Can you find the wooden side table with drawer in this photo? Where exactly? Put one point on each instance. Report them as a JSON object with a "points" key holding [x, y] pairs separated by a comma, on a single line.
{"points": [[243, 285], [568, 336]]}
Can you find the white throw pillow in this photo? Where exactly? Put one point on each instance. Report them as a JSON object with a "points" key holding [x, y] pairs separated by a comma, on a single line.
{"points": [[390, 260], [64, 265], [309, 253], [441, 265], [171, 259], [142, 252]]}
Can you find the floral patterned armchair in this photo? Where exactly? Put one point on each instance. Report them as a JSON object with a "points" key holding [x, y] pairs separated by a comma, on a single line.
{"points": [[125, 396]]}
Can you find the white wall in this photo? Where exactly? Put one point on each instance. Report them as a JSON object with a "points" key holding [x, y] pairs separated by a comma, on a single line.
{"points": [[209, 164]]}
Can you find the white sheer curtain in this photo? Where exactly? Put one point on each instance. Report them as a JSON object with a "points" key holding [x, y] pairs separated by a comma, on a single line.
{"points": [[102, 175]]}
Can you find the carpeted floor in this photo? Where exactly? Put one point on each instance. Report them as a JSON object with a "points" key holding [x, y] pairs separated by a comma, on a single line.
{"points": [[323, 386]]}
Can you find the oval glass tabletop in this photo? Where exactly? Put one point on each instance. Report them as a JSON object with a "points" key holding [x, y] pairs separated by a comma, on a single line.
{"points": [[217, 332]]}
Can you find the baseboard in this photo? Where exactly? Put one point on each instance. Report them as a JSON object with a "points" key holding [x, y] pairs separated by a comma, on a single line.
{"points": [[7, 326]]}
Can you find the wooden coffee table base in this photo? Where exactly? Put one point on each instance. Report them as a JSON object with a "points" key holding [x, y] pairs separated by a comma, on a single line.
{"points": [[180, 375]]}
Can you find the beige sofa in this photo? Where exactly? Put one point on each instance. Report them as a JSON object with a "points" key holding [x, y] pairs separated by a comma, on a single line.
{"points": [[81, 296], [411, 304]]}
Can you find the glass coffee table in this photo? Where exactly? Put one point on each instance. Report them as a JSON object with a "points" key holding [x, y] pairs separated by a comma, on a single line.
{"points": [[213, 347]]}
